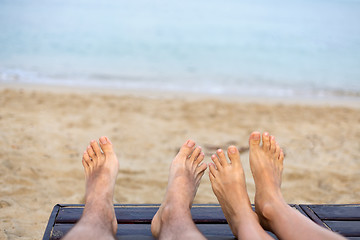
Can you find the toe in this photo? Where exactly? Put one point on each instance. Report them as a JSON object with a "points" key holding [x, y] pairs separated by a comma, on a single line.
{"points": [[272, 144], [281, 156], [277, 150], [186, 148], [234, 155], [215, 159], [96, 148], [195, 154], [254, 139], [211, 177], [87, 159], [201, 168], [91, 152], [222, 157], [106, 145], [199, 159], [266, 141], [86, 162], [199, 175], [212, 170]]}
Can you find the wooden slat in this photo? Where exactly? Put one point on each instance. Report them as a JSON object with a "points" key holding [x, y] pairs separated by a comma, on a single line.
{"points": [[144, 213], [143, 231], [345, 228], [346, 212], [312, 215], [201, 213]]}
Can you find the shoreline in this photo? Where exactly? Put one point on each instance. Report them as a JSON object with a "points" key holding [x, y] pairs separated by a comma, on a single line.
{"points": [[325, 101]]}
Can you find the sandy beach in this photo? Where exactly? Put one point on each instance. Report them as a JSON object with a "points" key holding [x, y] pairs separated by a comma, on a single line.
{"points": [[43, 133]]}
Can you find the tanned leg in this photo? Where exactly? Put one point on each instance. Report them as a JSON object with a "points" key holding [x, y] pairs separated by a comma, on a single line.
{"points": [[228, 183], [101, 167], [173, 219], [275, 214]]}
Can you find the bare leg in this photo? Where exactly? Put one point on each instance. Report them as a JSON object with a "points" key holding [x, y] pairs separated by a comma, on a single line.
{"points": [[266, 164], [98, 220], [173, 219], [228, 183]]}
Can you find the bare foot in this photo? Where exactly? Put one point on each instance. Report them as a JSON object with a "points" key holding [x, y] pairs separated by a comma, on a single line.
{"points": [[274, 213], [101, 168], [266, 164], [228, 183], [184, 179]]}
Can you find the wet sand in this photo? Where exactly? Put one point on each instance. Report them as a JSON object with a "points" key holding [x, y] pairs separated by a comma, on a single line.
{"points": [[44, 132]]}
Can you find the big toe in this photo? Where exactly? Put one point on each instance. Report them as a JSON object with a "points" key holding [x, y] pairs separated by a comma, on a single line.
{"points": [[106, 145], [254, 139], [187, 148]]}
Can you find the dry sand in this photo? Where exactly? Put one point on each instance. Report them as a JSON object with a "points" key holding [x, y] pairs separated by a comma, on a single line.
{"points": [[43, 134]]}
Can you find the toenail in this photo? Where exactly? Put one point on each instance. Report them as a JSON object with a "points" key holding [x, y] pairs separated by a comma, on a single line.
{"points": [[232, 150], [190, 143], [219, 150], [103, 140], [256, 137]]}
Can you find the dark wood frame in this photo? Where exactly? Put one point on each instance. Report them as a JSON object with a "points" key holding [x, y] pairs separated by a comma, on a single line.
{"points": [[134, 219]]}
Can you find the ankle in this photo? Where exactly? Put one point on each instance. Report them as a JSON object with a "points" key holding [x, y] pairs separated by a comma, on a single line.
{"points": [[270, 209], [171, 213]]}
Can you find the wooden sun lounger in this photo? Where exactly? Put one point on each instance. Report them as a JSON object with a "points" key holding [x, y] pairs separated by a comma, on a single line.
{"points": [[134, 220]]}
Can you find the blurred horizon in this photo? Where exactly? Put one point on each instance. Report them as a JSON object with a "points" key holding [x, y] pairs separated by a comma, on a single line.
{"points": [[246, 48]]}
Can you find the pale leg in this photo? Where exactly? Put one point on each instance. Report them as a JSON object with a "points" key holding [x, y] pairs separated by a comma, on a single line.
{"points": [[275, 214], [173, 219], [98, 220]]}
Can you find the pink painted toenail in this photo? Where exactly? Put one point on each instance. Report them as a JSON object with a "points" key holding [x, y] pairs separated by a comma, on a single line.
{"points": [[190, 143], [103, 140], [219, 150], [256, 137], [232, 150]]}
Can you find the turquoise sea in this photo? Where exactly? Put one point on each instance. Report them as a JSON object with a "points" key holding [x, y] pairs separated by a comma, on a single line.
{"points": [[257, 47]]}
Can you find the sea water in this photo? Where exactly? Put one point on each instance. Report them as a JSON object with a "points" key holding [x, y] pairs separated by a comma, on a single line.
{"points": [[241, 47]]}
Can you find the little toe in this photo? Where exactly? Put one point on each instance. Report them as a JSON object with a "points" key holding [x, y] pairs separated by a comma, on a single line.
{"points": [[91, 152], [254, 139], [199, 175], [272, 144], [234, 155], [86, 162], [199, 159], [281, 156], [222, 158], [187, 148], [212, 170], [266, 141], [215, 159], [277, 150], [87, 159], [106, 145], [201, 168], [96, 148]]}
